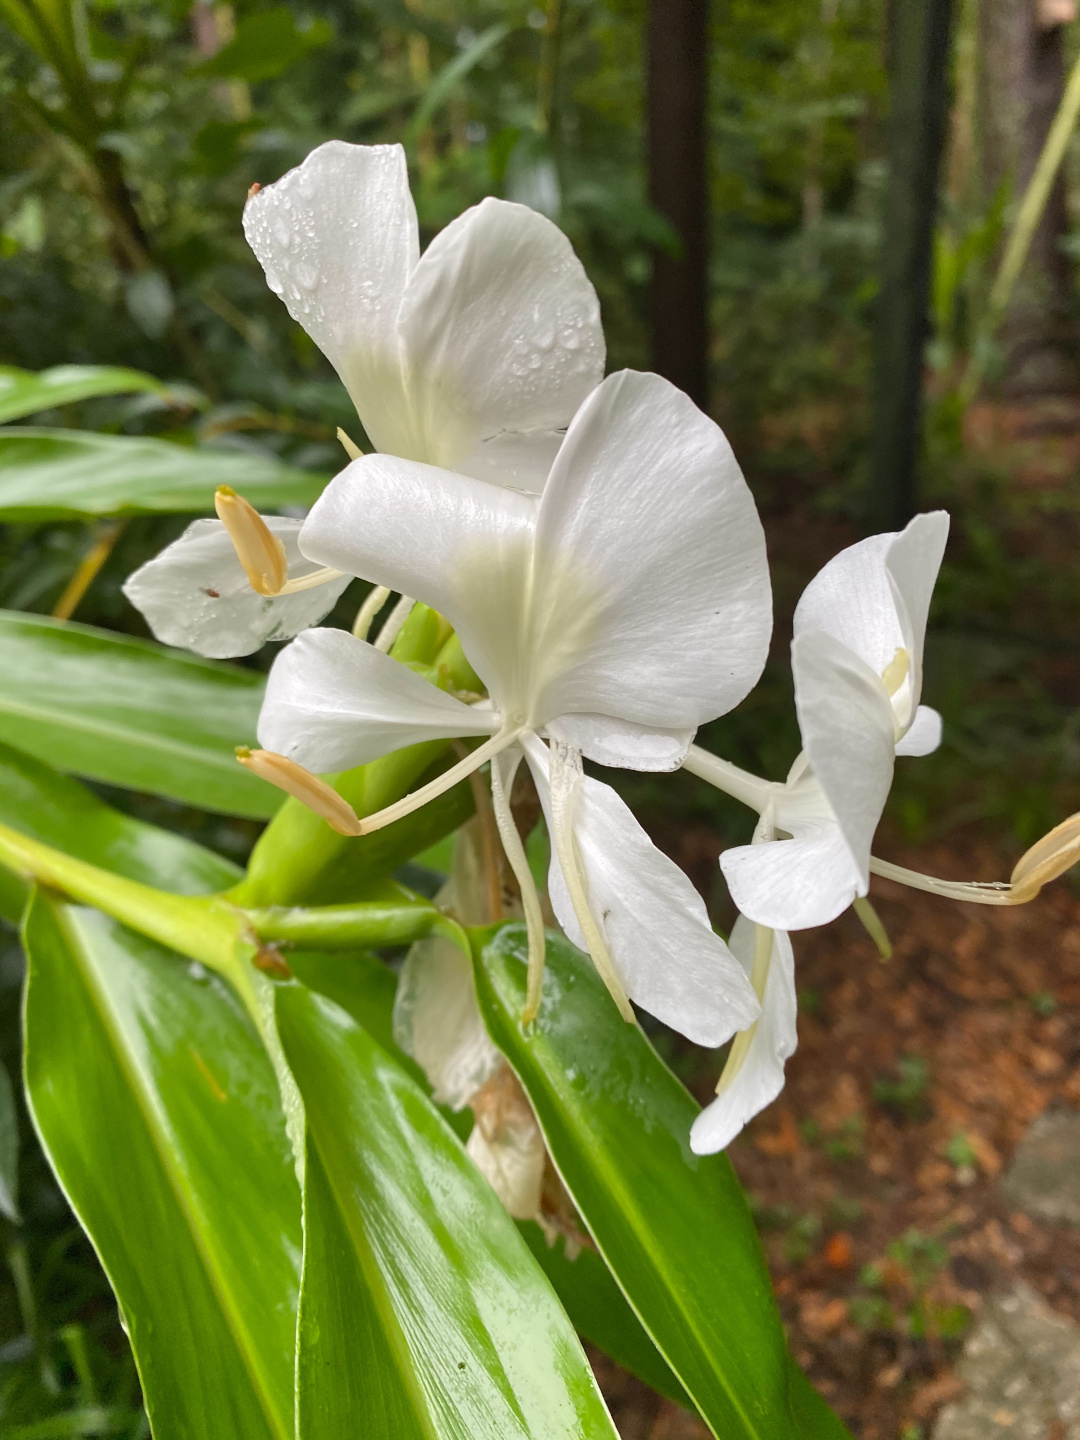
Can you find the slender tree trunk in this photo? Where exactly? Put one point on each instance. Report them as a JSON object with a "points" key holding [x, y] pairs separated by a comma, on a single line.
{"points": [[919, 34], [677, 86], [1021, 76]]}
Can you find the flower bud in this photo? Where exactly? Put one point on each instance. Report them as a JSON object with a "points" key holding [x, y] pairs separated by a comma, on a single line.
{"points": [[260, 553], [287, 775], [1046, 860]]}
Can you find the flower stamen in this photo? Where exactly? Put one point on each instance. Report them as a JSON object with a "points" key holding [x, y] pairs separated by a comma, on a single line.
{"points": [[259, 551], [565, 778], [503, 769], [302, 785], [446, 781]]}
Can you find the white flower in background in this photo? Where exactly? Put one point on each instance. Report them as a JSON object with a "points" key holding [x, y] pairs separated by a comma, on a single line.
{"points": [[857, 664], [594, 614], [473, 356], [754, 1073]]}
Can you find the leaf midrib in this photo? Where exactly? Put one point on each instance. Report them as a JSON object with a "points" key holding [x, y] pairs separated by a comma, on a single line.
{"points": [[245, 1344]]}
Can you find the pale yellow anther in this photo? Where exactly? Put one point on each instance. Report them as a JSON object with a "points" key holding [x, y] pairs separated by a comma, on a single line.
{"points": [[895, 672], [1046, 860], [287, 775], [351, 448], [260, 553]]}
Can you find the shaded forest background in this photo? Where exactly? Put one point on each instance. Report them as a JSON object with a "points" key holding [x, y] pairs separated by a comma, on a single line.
{"points": [[123, 172]]}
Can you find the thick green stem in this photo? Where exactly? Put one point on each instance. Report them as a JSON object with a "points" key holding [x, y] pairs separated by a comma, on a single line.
{"points": [[369, 925]]}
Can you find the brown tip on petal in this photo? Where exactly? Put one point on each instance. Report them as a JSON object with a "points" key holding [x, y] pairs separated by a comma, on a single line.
{"points": [[302, 785], [1048, 858], [254, 190]]}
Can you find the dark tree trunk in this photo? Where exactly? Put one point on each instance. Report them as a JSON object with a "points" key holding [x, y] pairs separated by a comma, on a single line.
{"points": [[677, 70], [1021, 76], [919, 34]]}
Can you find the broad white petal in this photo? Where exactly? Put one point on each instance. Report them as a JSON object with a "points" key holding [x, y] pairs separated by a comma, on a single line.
{"points": [[924, 735], [848, 731], [333, 702], [456, 543], [520, 459], [850, 599], [651, 600], [500, 332], [912, 564], [622, 743], [761, 1076], [338, 240], [794, 884], [195, 594], [668, 957], [437, 1021]]}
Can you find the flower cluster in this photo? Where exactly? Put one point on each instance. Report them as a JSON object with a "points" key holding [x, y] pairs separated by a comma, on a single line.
{"points": [[596, 549]]}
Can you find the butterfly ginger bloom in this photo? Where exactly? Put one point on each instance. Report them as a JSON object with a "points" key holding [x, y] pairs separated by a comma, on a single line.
{"points": [[593, 613], [857, 659], [473, 356]]}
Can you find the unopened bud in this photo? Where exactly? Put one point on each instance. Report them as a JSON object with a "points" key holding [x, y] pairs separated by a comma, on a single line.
{"points": [[259, 551], [1046, 860], [287, 775]]}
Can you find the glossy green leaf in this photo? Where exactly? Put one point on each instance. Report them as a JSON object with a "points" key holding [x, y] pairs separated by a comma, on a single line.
{"points": [[75, 475], [26, 392], [9, 1150], [130, 713], [673, 1227], [58, 811], [422, 1316], [160, 1114]]}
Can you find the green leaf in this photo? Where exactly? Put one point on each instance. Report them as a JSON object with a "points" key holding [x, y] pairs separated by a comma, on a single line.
{"points": [[598, 1310], [9, 1151], [160, 1113], [365, 988], [60, 812], [73, 475], [452, 74], [131, 713], [265, 45], [673, 1227], [26, 392], [422, 1314]]}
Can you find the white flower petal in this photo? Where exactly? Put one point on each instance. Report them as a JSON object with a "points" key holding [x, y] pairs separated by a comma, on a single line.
{"points": [[668, 957], [761, 1076], [333, 702], [500, 332], [338, 240], [848, 731], [850, 598], [520, 459], [458, 544], [912, 564], [195, 594], [924, 735], [437, 1021], [622, 743], [652, 578], [794, 884]]}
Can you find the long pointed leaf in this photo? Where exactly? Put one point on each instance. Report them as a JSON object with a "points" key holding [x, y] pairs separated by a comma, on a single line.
{"points": [[673, 1227], [160, 1114], [60, 812], [26, 392], [423, 1316], [130, 713], [74, 474]]}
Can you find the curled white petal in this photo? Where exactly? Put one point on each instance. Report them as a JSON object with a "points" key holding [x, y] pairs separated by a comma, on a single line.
{"points": [[195, 594], [924, 735], [622, 743], [333, 702], [794, 884], [668, 958], [760, 1078]]}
